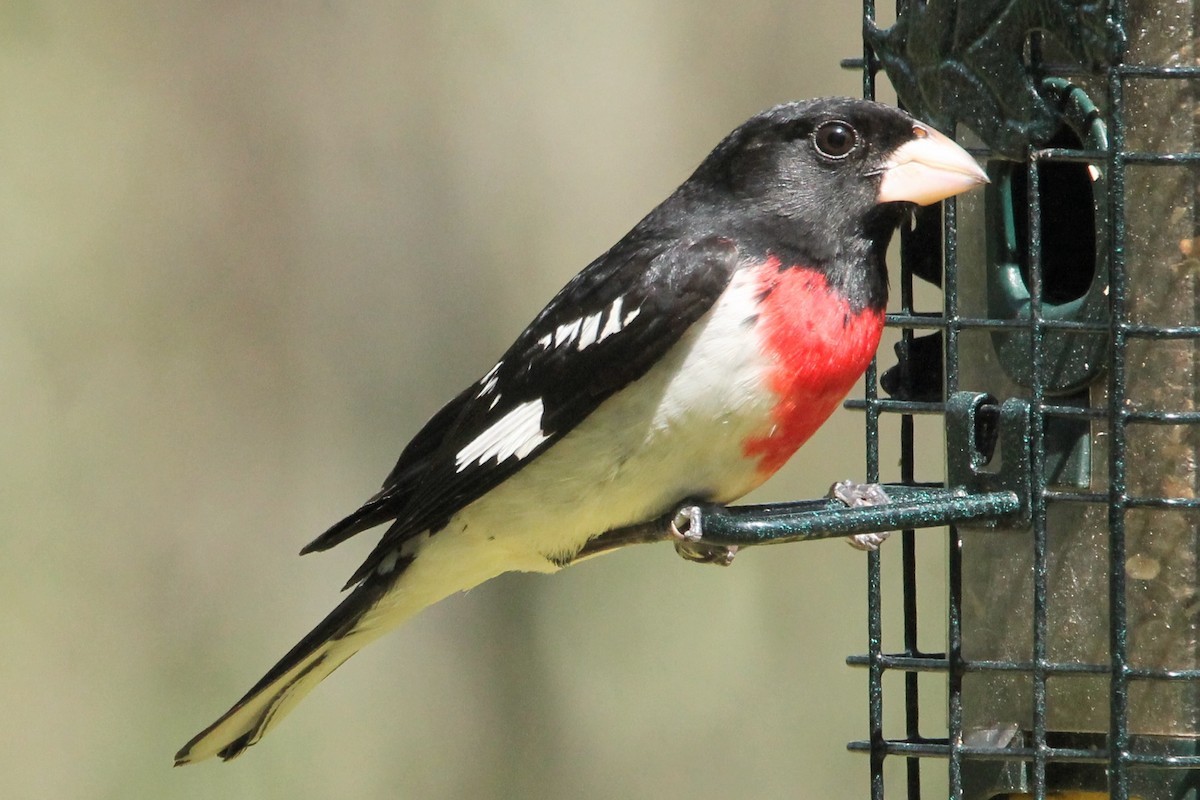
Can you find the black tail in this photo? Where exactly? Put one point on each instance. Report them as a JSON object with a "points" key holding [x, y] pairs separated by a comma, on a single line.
{"points": [[324, 649]]}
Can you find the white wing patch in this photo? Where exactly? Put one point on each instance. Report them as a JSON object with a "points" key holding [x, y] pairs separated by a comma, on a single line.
{"points": [[614, 319], [489, 381], [590, 330], [567, 332], [517, 433]]}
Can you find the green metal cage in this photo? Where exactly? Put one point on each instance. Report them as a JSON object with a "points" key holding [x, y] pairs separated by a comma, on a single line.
{"points": [[1069, 331]]}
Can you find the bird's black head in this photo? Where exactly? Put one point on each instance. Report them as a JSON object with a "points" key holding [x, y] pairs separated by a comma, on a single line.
{"points": [[825, 182]]}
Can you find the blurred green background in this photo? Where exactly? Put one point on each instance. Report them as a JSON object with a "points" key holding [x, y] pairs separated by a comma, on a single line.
{"points": [[247, 250]]}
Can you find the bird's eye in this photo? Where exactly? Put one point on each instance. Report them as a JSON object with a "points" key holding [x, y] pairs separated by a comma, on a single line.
{"points": [[835, 139]]}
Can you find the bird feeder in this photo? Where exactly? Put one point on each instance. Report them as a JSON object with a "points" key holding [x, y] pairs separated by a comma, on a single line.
{"points": [[1069, 321], [1064, 367]]}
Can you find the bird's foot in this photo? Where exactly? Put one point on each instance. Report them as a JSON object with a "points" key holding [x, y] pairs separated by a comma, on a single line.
{"points": [[687, 531], [862, 495]]}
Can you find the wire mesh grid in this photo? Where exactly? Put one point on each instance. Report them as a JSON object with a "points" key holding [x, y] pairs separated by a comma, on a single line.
{"points": [[1124, 760]]}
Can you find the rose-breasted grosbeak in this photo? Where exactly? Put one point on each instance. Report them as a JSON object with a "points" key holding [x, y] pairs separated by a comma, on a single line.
{"points": [[688, 362]]}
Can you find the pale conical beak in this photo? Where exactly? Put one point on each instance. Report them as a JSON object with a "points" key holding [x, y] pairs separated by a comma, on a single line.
{"points": [[928, 169]]}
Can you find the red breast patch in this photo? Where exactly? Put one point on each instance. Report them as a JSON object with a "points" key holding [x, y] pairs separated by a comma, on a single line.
{"points": [[818, 348]]}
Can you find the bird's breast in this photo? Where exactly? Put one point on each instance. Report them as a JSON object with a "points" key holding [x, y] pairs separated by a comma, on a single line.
{"points": [[815, 345], [725, 408]]}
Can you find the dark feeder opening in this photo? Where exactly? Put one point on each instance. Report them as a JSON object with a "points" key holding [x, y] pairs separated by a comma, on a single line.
{"points": [[1068, 222], [1072, 250]]}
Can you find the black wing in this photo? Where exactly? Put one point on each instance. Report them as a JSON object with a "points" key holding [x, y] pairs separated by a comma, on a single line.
{"points": [[605, 329]]}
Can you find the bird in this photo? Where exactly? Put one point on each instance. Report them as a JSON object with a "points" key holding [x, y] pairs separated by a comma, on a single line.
{"points": [[687, 362]]}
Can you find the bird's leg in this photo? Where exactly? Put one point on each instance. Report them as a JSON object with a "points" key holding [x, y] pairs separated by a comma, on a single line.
{"points": [[860, 495], [687, 531]]}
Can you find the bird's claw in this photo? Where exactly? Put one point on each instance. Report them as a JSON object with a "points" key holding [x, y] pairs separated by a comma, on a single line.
{"points": [[862, 495], [687, 531]]}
